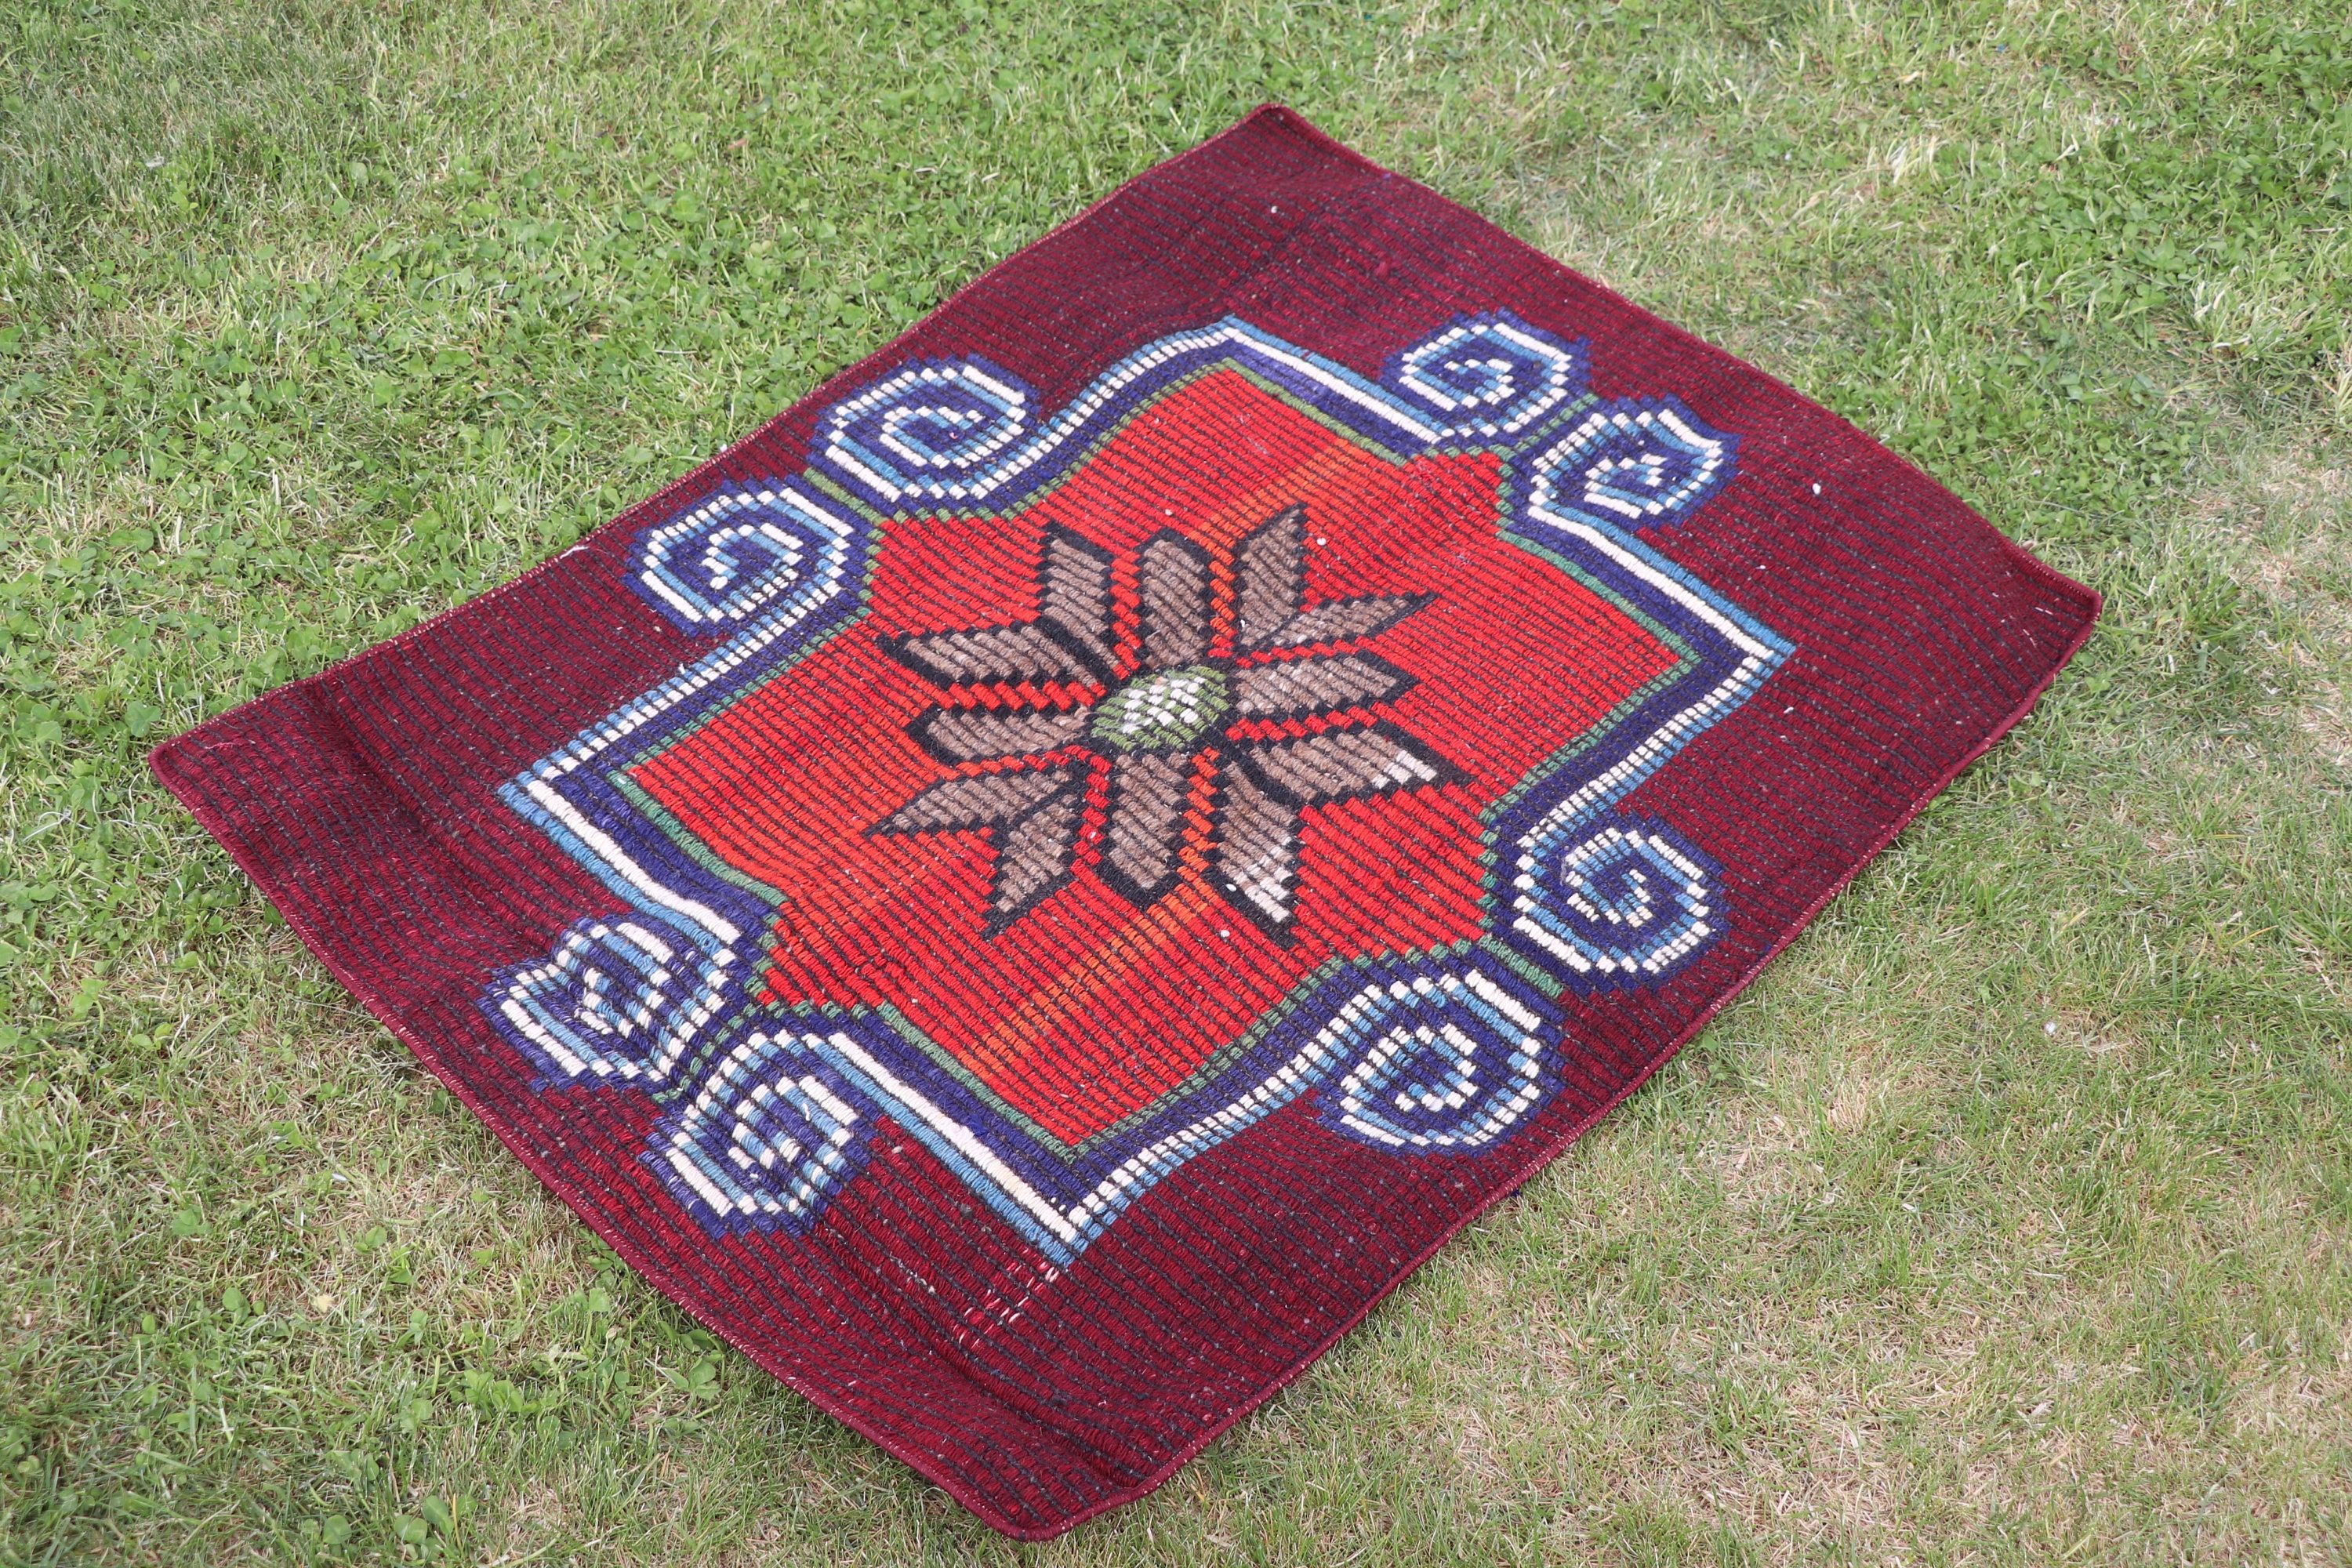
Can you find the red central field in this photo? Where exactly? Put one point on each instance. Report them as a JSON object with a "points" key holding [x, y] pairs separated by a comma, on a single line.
{"points": [[1087, 1009]]}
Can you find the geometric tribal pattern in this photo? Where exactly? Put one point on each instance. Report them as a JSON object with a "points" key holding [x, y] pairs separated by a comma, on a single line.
{"points": [[1440, 1060], [1622, 903], [1161, 711], [1029, 892], [1250, 611], [767, 1135], [620, 1000], [740, 553]]}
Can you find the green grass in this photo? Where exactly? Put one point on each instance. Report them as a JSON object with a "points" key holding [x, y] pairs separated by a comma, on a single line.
{"points": [[2006, 1221]]}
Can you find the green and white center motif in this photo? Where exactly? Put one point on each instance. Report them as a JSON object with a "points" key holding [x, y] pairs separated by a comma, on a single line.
{"points": [[1164, 710]]}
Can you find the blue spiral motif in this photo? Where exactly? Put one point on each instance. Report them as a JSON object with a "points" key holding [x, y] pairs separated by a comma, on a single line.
{"points": [[1633, 465], [768, 1135], [932, 433], [1490, 375], [1613, 903], [778, 552], [1433, 1060], [618, 1001]]}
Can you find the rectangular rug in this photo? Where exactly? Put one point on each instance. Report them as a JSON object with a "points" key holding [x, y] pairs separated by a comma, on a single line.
{"points": [[1030, 893]]}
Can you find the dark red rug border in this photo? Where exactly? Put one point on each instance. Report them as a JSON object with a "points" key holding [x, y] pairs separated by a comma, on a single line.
{"points": [[170, 764]]}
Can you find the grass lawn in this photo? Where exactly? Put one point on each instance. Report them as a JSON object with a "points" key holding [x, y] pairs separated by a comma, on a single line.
{"points": [[2009, 1219]]}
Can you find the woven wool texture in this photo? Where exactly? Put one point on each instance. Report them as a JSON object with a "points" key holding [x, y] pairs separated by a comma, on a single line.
{"points": [[1031, 892]]}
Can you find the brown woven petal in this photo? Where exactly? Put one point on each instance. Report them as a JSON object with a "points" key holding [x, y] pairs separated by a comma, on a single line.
{"points": [[1145, 836], [1256, 859], [1339, 763], [979, 800], [1074, 595], [1173, 575], [988, 734], [1033, 853], [1297, 688], [1343, 620], [1035, 650], [1269, 579]]}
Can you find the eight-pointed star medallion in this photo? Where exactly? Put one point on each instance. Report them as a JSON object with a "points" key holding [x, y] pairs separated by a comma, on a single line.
{"points": [[1151, 710]]}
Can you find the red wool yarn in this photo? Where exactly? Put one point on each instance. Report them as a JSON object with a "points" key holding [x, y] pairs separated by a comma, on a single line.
{"points": [[1031, 892]]}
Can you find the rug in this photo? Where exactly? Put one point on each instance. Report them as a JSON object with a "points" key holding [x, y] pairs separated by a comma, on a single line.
{"points": [[1030, 893]]}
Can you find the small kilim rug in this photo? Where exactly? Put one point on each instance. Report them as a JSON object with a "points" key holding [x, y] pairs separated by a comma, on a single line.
{"points": [[1030, 893]]}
